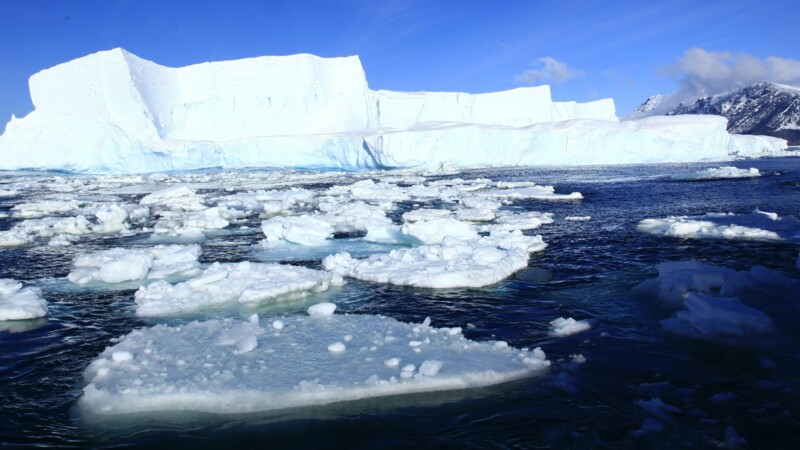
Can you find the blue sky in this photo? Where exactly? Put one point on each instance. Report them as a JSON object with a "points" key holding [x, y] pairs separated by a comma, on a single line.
{"points": [[627, 50]]}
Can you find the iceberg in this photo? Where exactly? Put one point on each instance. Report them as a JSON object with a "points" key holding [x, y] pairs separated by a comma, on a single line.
{"points": [[113, 112], [235, 366]]}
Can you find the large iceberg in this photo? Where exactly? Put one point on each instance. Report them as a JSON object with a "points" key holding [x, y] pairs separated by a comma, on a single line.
{"points": [[114, 112]]}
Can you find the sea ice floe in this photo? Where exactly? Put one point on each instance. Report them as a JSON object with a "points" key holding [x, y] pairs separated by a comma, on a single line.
{"points": [[243, 282], [302, 230], [528, 191], [421, 215], [270, 202], [348, 217], [717, 303], [18, 303], [453, 263], [527, 220], [203, 366], [118, 265], [578, 218], [45, 208], [179, 198], [564, 327], [717, 173], [759, 225]]}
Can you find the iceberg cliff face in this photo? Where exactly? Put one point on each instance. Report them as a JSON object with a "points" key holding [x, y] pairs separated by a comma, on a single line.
{"points": [[115, 112]]}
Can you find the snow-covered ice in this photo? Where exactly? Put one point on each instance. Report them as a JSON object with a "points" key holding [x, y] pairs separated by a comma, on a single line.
{"points": [[18, 303], [243, 282], [302, 230], [453, 263], [113, 112], [758, 225], [718, 173], [118, 265], [234, 366]]}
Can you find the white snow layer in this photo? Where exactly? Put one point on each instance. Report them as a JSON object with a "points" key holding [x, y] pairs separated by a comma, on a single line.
{"points": [[244, 282], [18, 303], [233, 366], [718, 173], [113, 112], [759, 225], [118, 265]]}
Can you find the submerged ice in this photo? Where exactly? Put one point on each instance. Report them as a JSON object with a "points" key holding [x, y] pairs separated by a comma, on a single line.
{"points": [[234, 366]]}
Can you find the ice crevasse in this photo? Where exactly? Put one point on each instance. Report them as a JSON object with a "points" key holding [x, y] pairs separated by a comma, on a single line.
{"points": [[113, 112]]}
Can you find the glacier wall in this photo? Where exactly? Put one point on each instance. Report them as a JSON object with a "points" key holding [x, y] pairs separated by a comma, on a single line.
{"points": [[113, 112]]}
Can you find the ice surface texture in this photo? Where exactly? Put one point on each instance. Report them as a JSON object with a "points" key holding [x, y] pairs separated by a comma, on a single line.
{"points": [[244, 282], [233, 366], [113, 112], [18, 303]]}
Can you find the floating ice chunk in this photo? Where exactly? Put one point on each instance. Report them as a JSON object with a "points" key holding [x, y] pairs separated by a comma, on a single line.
{"points": [[717, 173], [302, 230], [271, 202], [720, 304], [434, 231], [130, 264], [677, 279], [337, 347], [531, 191], [244, 282], [352, 216], [418, 215], [179, 198], [708, 317], [321, 310], [111, 219], [15, 237], [509, 221], [759, 225], [198, 367], [18, 303], [510, 240], [372, 191], [477, 209], [454, 263], [44, 208], [658, 409], [564, 327], [8, 193], [578, 218]]}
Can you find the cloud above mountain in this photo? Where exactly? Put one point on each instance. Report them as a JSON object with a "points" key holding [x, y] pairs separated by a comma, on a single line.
{"points": [[702, 73]]}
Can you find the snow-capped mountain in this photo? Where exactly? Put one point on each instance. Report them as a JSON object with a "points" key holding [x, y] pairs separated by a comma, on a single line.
{"points": [[764, 108]]}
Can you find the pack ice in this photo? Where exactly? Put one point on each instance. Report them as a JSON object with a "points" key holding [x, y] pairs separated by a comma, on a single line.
{"points": [[234, 366], [113, 112]]}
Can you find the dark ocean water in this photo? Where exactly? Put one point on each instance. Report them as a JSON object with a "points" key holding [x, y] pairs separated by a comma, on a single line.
{"points": [[587, 272]]}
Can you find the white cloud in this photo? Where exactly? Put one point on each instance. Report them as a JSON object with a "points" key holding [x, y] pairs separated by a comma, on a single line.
{"points": [[549, 68], [701, 73]]}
